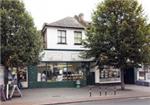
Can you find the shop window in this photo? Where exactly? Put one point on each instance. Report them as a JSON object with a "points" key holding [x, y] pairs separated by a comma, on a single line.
{"points": [[51, 72], [20, 74], [143, 72], [141, 75], [41, 69], [110, 75], [76, 71]]}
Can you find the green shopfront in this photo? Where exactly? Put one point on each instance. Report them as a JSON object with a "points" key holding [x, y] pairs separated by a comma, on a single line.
{"points": [[62, 73], [57, 74]]}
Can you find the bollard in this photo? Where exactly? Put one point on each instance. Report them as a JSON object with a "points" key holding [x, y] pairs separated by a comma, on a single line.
{"points": [[90, 92], [115, 90], [100, 91], [105, 91]]}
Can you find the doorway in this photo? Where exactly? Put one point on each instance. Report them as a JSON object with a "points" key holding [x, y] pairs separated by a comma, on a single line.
{"points": [[129, 76], [91, 78]]}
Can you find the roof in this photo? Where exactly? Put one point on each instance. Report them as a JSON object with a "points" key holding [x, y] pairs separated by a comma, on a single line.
{"points": [[68, 22]]}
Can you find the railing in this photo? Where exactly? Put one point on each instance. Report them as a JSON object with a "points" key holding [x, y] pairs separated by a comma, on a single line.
{"points": [[103, 90]]}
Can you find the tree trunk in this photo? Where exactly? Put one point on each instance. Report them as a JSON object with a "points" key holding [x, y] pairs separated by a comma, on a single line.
{"points": [[122, 79]]}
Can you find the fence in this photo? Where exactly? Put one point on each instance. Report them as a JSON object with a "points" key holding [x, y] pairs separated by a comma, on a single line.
{"points": [[103, 90]]}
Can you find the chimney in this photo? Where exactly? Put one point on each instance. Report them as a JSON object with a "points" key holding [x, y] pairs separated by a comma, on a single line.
{"points": [[80, 19]]}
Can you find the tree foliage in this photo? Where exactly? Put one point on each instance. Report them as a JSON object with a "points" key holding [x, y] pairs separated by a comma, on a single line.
{"points": [[20, 40], [119, 34]]}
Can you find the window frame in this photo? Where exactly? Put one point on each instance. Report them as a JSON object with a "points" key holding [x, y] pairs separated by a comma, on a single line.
{"points": [[77, 38], [61, 37]]}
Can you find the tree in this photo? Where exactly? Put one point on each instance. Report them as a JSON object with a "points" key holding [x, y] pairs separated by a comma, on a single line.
{"points": [[118, 35], [20, 41]]}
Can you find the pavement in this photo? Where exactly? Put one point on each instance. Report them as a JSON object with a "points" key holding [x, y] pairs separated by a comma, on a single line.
{"points": [[131, 101], [55, 96]]}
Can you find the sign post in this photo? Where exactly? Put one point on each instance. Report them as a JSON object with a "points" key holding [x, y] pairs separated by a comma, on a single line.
{"points": [[2, 94], [1, 75]]}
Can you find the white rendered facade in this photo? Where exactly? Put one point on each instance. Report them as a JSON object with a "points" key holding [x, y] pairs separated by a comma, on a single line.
{"points": [[52, 38], [62, 52]]}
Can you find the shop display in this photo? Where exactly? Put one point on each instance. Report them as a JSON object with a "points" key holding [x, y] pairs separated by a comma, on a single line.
{"points": [[60, 72], [21, 75], [109, 75], [143, 72], [73, 77]]}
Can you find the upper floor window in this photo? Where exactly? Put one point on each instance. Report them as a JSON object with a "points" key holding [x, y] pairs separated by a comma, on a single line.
{"points": [[62, 37], [77, 37]]}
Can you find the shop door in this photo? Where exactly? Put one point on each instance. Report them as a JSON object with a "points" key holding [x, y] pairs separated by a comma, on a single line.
{"points": [[91, 78], [129, 76]]}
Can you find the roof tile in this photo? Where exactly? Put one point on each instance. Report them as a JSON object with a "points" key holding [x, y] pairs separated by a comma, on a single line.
{"points": [[69, 22]]}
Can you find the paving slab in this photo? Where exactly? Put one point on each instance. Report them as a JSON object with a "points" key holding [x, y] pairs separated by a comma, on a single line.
{"points": [[51, 96]]}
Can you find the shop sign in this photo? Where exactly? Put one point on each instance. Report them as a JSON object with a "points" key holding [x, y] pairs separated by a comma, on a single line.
{"points": [[63, 56]]}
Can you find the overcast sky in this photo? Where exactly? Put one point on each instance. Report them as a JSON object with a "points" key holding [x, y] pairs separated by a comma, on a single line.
{"points": [[52, 10]]}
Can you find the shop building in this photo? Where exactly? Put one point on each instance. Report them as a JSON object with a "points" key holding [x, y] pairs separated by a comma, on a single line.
{"points": [[61, 63], [143, 75]]}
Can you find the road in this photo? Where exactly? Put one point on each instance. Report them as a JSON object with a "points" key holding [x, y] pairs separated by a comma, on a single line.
{"points": [[130, 101]]}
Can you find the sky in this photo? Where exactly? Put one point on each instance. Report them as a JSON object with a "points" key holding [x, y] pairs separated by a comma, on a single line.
{"points": [[47, 11]]}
